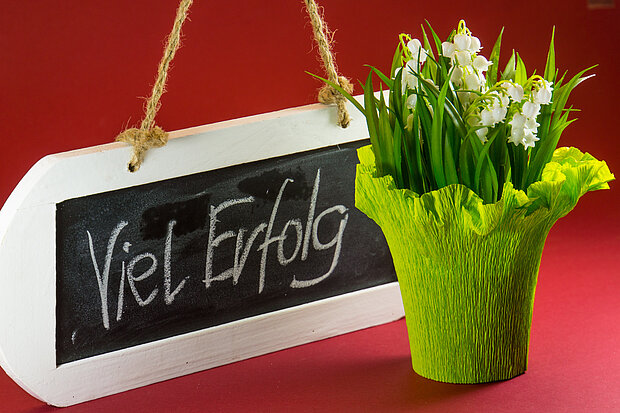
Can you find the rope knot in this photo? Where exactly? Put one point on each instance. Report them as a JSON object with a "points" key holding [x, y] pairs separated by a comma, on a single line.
{"points": [[328, 95], [142, 140]]}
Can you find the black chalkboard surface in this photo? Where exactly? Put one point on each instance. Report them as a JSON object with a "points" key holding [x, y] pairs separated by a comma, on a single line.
{"points": [[153, 261]]}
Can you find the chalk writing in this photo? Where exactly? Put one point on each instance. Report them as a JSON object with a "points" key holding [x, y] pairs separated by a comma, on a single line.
{"points": [[242, 251]]}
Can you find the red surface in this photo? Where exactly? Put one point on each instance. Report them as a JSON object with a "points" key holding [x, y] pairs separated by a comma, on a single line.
{"points": [[72, 76]]}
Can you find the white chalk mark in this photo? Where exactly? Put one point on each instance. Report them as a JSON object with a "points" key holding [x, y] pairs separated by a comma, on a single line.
{"points": [[102, 279], [315, 193], [240, 260], [298, 228], [169, 296], [337, 240], [268, 240], [214, 241], [132, 280], [121, 294]]}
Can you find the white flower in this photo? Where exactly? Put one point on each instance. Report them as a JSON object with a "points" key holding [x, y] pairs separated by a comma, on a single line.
{"points": [[531, 109], [482, 134], [472, 81], [448, 49], [474, 44], [504, 100], [531, 124], [411, 100], [518, 121], [462, 41], [486, 117], [515, 91], [417, 51], [457, 76], [523, 130], [463, 57], [516, 136], [481, 63], [464, 98], [409, 80], [529, 139], [499, 113], [543, 95]]}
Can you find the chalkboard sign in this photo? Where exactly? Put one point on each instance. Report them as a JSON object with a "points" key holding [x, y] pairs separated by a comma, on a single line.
{"points": [[239, 239], [162, 259]]}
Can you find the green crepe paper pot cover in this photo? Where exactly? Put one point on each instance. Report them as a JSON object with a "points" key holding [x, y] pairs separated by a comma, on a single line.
{"points": [[467, 271]]}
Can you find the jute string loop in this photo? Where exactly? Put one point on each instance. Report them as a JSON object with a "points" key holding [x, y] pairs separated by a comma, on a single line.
{"points": [[148, 135], [328, 94]]}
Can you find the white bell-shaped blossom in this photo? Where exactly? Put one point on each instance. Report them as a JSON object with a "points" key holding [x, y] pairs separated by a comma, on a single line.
{"points": [[457, 76], [463, 57], [529, 139], [544, 93], [474, 44], [408, 80], [517, 129], [486, 117], [515, 91], [472, 81], [531, 124], [411, 101], [531, 109], [518, 121], [462, 41], [482, 134], [504, 100], [499, 113], [448, 49], [464, 98], [481, 63], [417, 51]]}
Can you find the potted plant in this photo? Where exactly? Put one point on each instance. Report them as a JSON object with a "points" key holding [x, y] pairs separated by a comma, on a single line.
{"points": [[465, 179]]}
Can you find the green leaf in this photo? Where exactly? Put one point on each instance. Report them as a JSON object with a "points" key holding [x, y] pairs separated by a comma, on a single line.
{"points": [[546, 150], [521, 73], [482, 157], [452, 112], [494, 68], [430, 67], [372, 122], [550, 65], [389, 82], [561, 95], [509, 71], [435, 37], [396, 60], [436, 138]]}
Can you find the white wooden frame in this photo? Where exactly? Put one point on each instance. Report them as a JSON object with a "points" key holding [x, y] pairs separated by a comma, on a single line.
{"points": [[28, 261]]}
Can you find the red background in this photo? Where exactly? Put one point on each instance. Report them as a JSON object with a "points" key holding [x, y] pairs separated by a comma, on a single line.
{"points": [[73, 74]]}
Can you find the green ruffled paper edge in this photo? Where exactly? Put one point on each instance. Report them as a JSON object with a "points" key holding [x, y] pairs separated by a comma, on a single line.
{"points": [[467, 271], [566, 178]]}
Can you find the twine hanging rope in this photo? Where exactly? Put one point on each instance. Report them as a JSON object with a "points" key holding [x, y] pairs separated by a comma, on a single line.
{"points": [[328, 94], [149, 135]]}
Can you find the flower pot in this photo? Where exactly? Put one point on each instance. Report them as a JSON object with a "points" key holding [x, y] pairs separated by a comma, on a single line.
{"points": [[467, 271]]}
